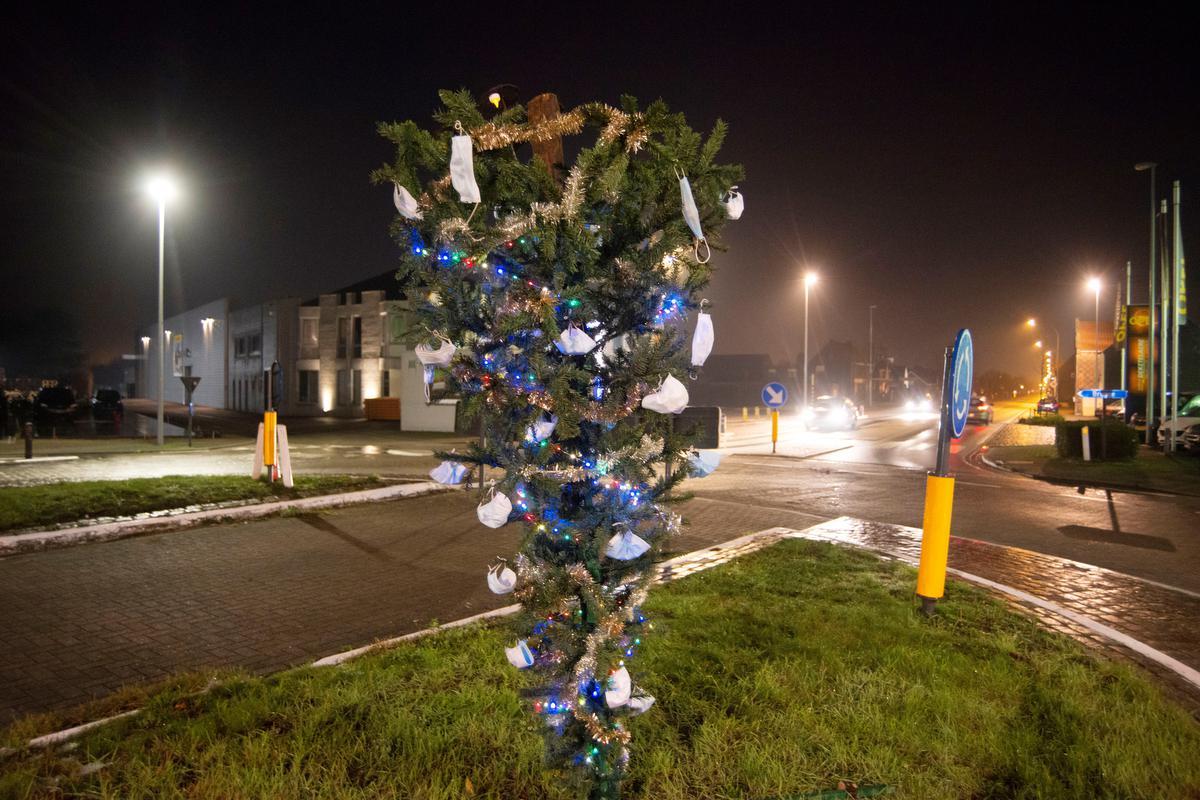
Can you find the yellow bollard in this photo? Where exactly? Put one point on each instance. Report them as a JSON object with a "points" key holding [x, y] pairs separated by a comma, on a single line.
{"points": [[269, 440], [935, 540], [745, 414], [756, 412], [774, 428]]}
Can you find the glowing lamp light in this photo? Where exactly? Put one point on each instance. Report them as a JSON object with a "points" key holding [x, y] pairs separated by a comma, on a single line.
{"points": [[1094, 284], [494, 99], [1031, 322], [810, 278], [145, 342], [161, 188]]}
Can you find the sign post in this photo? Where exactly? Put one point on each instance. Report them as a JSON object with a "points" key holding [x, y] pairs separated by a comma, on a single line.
{"points": [[939, 484], [190, 382], [774, 395]]}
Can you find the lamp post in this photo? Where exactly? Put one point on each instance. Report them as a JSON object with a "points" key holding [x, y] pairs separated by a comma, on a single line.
{"points": [[162, 189], [1143, 167], [810, 278], [1094, 284], [1032, 323], [871, 356]]}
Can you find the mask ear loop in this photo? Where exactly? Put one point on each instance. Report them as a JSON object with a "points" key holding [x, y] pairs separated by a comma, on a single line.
{"points": [[707, 251]]}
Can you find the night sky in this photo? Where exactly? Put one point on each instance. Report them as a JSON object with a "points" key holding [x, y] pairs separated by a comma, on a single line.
{"points": [[956, 167]]}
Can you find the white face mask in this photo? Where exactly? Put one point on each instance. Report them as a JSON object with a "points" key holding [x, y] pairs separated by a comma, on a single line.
{"points": [[671, 397], [620, 687], [692, 217], [462, 169], [406, 204], [626, 546], [574, 342], [436, 357], [494, 513], [733, 202], [519, 655], [640, 704], [704, 462], [702, 339], [450, 473], [542, 429], [501, 579]]}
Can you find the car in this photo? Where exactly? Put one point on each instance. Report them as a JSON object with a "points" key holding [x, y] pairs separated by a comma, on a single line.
{"points": [[1188, 415], [1191, 439], [918, 404], [107, 405], [980, 411], [829, 413], [1047, 405], [55, 407]]}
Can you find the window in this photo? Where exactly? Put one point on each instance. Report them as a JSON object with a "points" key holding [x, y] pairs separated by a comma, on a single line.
{"points": [[356, 397], [343, 387], [254, 344], [239, 346], [308, 336], [386, 382], [396, 326], [308, 386], [357, 337], [343, 335]]}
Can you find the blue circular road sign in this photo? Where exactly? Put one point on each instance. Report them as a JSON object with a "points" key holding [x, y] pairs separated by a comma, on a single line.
{"points": [[960, 381], [774, 395]]}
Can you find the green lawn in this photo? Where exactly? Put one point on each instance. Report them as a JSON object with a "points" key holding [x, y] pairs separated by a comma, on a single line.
{"points": [[1178, 473], [48, 504], [777, 674]]}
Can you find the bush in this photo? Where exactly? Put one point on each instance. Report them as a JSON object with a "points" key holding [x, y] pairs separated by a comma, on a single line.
{"points": [[1120, 441], [1043, 419]]}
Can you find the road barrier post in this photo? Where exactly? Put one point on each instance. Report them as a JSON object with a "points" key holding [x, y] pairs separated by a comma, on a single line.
{"points": [[774, 428], [939, 484], [27, 434]]}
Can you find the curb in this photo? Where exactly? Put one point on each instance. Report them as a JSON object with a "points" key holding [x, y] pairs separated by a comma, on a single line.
{"points": [[108, 531]]}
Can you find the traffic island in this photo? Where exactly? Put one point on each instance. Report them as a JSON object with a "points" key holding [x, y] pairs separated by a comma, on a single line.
{"points": [[1150, 470], [779, 673]]}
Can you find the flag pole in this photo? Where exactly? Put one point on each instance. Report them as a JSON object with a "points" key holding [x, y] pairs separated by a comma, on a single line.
{"points": [[1177, 251], [1164, 319]]}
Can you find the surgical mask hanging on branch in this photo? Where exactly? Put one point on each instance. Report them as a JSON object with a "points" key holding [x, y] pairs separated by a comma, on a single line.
{"points": [[462, 166], [702, 341], [691, 215]]}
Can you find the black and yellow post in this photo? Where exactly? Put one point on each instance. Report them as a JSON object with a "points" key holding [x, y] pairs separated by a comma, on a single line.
{"points": [[774, 428], [939, 502]]}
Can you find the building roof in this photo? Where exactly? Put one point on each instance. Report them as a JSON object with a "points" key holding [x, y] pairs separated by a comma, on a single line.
{"points": [[385, 282]]}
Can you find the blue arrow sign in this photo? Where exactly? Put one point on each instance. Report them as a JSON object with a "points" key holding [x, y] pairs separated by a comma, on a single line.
{"points": [[774, 395], [960, 381]]}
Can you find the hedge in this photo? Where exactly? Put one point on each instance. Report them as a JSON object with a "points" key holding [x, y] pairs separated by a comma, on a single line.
{"points": [[1120, 441]]}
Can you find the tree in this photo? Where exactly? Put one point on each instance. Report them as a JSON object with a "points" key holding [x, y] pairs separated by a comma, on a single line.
{"points": [[564, 303]]}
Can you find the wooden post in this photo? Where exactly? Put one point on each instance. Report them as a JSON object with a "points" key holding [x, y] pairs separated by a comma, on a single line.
{"points": [[550, 151]]}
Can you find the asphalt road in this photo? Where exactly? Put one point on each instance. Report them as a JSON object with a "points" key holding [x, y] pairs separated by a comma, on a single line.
{"points": [[878, 473]]}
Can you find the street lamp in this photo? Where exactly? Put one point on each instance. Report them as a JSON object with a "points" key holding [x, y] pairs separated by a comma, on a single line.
{"points": [[1094, 284], [162, 190], [1143, 167], [1033, 323], [810, 279]]}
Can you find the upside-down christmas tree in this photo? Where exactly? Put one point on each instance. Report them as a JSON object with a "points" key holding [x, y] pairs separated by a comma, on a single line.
{"points": [[558, 308]]}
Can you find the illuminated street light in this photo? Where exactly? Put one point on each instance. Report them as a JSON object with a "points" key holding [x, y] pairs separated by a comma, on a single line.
{"points": [[1094, 284], [1038, 344], [162, 189], [810, 279]]}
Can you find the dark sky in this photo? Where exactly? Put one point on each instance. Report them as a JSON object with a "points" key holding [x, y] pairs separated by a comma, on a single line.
{"points": [[955, 166]]}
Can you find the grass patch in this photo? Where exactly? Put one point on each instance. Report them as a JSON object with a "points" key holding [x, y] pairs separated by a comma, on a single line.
{"points": [[53, 503], [777, 674], [1178, 473], [1049, 420]]}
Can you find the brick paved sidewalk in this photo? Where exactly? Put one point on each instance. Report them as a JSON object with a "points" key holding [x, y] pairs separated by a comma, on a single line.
{"points": [[79, 623], [1165, 618]]}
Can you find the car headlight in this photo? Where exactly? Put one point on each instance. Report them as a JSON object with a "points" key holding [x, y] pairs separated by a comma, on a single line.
{"points": [[909, 405], [838, 415], [926, 405]]}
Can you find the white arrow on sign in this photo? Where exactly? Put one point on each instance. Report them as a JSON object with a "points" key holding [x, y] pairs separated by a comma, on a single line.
{"points": [[776, 397]]}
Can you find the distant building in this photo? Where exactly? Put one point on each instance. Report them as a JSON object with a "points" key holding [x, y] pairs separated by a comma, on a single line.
{"points": [[1090, 344], [336, 351], [733, 380]]}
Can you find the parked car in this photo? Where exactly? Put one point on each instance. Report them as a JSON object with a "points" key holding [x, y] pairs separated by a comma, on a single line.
{"points": [[1191, 439], [980, 411], [1188, 415], [55, 407], [829, 413], [1047, 405], [107, 405]]}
